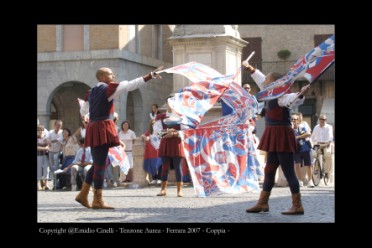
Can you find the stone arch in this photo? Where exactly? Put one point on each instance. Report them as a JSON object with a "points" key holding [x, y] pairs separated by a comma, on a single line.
{"points": [[134, 112], [64, 98]]}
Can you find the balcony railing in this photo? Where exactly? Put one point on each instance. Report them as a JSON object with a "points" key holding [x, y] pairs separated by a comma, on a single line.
{"points": [[283, 67]]}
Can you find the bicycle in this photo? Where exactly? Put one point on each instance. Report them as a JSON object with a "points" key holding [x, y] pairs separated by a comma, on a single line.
{"points": [[319, 163]]}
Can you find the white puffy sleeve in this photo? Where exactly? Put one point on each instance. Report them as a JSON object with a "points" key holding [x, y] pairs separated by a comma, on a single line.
{"points": [[259, 78], [84, 108], [127, 86], [288, 100]]}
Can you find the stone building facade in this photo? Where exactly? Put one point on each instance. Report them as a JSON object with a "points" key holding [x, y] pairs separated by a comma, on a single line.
{"points": [[69, 55], [268, 40]]}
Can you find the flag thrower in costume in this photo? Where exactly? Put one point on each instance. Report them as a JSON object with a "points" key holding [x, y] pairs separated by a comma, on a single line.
{"points": [[311, 66]]}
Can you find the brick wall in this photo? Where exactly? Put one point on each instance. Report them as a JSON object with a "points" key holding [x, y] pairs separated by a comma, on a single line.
{"points": [[145, 32], [46, 38], [110, 40], [123, 37], [299, 39]]}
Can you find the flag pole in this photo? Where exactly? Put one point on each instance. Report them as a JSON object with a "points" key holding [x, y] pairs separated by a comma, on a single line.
{"points": [[298, 95], [250, 56]]}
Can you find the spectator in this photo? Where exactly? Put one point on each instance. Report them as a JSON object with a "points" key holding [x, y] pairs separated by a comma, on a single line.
{"points": [[323, 136], [152, 162], [154, 111], [42, 159], [303, 152], [81, 164], [128, 137]]}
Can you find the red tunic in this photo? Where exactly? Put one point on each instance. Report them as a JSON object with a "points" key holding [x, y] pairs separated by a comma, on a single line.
{"points": [[101, 129], [278, 135], [170, 147], [100, 133], [278, 139]]}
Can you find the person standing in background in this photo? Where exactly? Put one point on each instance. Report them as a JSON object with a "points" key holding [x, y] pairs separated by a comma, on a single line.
{"points": [[151, 161], [323, 135], [42, 159], [81, 131], [171, 152], [128, 137], [55, 141], [154, 111], [303, 153]]}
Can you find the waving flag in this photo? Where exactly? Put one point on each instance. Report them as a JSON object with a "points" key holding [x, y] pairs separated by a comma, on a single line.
{"points": [[151, 159], [195, 100], [194, 71], [118, 157], [242, 103], [224, 137], [81, 102], [311, 66], [217, 159], [218, 153]]}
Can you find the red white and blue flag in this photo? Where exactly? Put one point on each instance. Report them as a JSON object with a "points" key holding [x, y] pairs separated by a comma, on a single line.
{"points": [[194, 71], [220, 153], [220, 159], [118, 157], [193, 101], [311, 66], [151, 159]]}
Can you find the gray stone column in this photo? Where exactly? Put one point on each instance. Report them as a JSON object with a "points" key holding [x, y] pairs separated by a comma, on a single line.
{"points": [[217, 46], [139, 174], [44, 119]]}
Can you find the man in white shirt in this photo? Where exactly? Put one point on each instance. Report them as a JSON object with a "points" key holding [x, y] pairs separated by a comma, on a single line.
{"points": [[323, 135], [54, 138]]}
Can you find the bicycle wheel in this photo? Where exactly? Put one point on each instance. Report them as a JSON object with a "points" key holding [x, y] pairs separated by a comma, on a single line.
{"points": [[316, 172]]}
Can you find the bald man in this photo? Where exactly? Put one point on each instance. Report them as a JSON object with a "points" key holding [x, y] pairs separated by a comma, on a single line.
{"points": [[101, 132]]}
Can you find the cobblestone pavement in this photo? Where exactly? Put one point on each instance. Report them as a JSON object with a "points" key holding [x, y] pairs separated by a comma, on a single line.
{"points": [[143, 206]]}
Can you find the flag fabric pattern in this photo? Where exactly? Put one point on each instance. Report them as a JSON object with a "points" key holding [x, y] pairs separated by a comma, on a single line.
{"points": [[194, 71], [155, 140], [195, 100], [151, 159], [243, 104], [118, 157], [311, 66], [217, 159], [220, 154]]}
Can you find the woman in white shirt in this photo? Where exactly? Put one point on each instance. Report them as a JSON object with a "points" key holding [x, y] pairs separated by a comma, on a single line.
{"points": [[80, 133], [128, 137]]}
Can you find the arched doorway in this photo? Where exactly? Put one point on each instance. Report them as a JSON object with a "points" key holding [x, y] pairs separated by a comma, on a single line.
{"points": [[64, 105], [135, 113]]}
